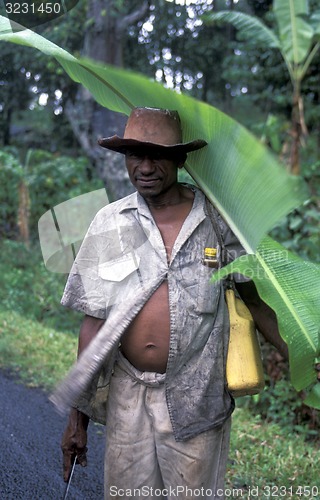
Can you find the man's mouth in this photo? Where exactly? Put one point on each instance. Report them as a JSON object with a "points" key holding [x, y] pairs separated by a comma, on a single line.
{"points": [[147, 181]]}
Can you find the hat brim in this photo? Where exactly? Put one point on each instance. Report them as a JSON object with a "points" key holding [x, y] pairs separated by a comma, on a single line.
{"points": [[120, 145]]}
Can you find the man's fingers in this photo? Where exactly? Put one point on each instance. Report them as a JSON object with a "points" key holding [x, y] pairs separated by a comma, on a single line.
{"points": [[68, 458], [82, 457]]}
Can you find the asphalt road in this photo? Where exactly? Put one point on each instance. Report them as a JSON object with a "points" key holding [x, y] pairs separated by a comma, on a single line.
{"points": [[30, 456]]}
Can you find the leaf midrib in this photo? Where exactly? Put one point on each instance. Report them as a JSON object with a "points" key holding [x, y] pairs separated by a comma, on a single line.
{"points": [[284, 297]]}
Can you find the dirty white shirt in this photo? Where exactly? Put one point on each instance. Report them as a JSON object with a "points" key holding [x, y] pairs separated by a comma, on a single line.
{"points": [[122, 254]]}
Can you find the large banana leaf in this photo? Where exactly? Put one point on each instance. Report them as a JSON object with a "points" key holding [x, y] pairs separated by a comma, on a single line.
{"points": [[237, 173], [315, 23], [250, 28], [291, 287], [295, 32]]}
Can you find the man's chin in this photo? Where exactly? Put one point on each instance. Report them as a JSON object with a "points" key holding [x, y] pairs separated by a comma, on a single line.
{"points": [[148, 193], [148, 190]]}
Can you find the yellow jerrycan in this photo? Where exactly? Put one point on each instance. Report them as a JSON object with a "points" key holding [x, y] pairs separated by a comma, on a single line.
{"points": [[244, 369]]}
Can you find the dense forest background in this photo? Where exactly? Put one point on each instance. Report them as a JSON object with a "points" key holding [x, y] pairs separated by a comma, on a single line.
{"points": [[42, 109], [49, 128]]}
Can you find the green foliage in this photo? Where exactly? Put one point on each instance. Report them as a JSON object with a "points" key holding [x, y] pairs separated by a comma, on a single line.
{"points": [[11, 174], [30, 290], [280, 403], [296, 35], [299, 232], [25, 75], [15, 96], [269, 455], [296, 38], [180, 49], [51, 179], [271, 132], [41, 355]]}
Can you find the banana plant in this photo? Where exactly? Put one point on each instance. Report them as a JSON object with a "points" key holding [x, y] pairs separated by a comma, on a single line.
{"points": [[236, 172], [297, 39]]}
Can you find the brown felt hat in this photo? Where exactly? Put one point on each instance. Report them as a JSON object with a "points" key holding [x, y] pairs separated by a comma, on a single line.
{"points": [[152, 129]]}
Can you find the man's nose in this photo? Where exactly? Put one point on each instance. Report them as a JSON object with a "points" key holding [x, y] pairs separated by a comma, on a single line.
{"points": [[146, 165]]}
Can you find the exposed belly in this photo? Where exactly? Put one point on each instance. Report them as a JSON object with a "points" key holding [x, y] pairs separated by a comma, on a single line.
{"points": [[146, 341]]}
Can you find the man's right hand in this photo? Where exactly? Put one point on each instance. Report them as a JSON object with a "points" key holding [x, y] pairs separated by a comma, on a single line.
{"points": [[74, 442]]}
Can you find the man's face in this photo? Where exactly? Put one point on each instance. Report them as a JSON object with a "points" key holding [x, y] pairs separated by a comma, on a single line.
{"points": [[150, 172]]}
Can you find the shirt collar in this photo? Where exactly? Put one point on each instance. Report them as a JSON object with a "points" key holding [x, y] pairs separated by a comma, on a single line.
{"points": [[136, 202]]}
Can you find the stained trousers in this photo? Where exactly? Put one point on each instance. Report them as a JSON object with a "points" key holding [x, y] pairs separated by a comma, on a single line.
{"points": [[142, 458]]}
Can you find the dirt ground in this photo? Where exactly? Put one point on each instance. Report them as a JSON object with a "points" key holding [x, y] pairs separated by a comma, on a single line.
{"points": [[30, 456]]}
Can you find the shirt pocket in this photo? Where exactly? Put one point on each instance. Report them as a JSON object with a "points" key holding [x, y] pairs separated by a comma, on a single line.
{"points": [[119, 278], [208, 293], [119, 269]]}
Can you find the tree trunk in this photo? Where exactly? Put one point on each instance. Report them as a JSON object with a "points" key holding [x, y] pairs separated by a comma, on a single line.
{"points": [[6, 126], [297, 134], [103, 41]]}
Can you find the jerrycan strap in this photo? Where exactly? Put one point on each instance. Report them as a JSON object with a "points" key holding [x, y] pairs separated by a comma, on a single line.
{"points": [[244, 369], [213, 215]]}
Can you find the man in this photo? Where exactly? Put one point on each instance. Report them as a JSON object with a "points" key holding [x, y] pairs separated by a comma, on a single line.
{"points": [[168, 409]]}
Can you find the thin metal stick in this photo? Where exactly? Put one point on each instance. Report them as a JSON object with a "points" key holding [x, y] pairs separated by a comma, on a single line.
{"points": [[70, 477]]}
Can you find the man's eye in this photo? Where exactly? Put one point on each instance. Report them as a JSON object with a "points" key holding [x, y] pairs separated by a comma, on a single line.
{"points": [[133, 156], [155, 156], [158, 156]]}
